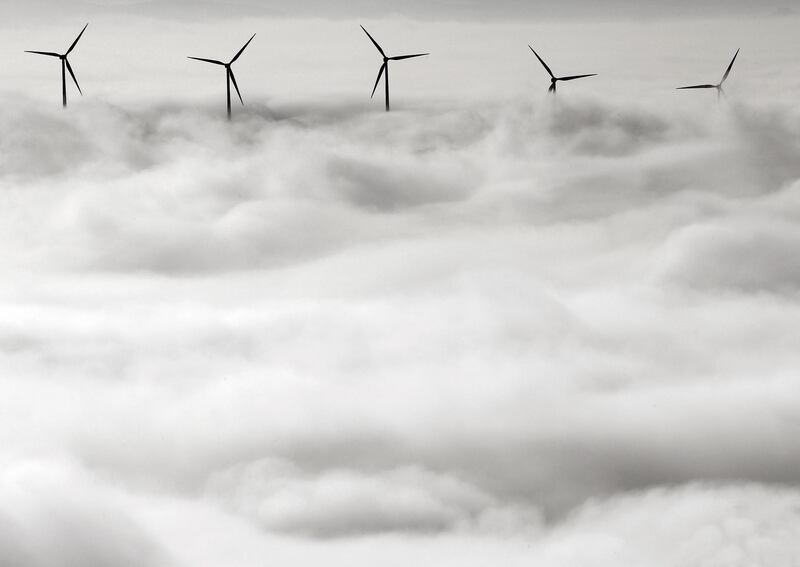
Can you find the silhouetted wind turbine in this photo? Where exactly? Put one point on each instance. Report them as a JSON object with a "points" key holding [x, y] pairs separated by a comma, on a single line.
{"points": [[718, 86], [553, 78], [229, 73], [65, 66], [385, 66]]}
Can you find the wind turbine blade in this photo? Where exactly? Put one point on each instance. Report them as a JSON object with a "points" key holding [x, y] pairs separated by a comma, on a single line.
{"points": [[69, 68], [233, 78], [74, 43], [214, 61], [398, 58], [50, 53], [549, 72], [576, 77], [697, 87], [728, 70], [235, 57], [373, 41], [378, 80], [552, 88]]}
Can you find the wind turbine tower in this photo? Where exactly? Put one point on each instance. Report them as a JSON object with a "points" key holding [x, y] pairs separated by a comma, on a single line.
{"points": [[229, 76], [718, 86], [385, 67], [65, 66], [553, 78]]}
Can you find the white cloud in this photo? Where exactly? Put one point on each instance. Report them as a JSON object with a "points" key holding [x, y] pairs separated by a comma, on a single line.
{"points": [[736, 255], [340, 502], [695, 525], [55, 515]]}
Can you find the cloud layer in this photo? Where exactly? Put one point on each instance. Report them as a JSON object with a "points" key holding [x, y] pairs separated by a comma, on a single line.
{"points": [[556, 333]]}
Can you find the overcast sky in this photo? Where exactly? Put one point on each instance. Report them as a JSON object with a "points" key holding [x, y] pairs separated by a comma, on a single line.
{"points": [[128, 60], [418, 9]]}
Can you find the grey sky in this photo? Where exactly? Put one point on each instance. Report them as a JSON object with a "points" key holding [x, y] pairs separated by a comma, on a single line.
{"points": [[126, 59], [418, 9]]}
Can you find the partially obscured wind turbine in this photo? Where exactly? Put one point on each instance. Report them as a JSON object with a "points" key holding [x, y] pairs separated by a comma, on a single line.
{"points": [[65, 66], [229, 73], [553, 78], [718, 86], [385, 66]]}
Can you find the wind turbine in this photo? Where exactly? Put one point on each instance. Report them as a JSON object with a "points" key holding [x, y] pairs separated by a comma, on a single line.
{"points": [[229, 77], [553, 78], [720, 91], [385, 66], [65, 66]]}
